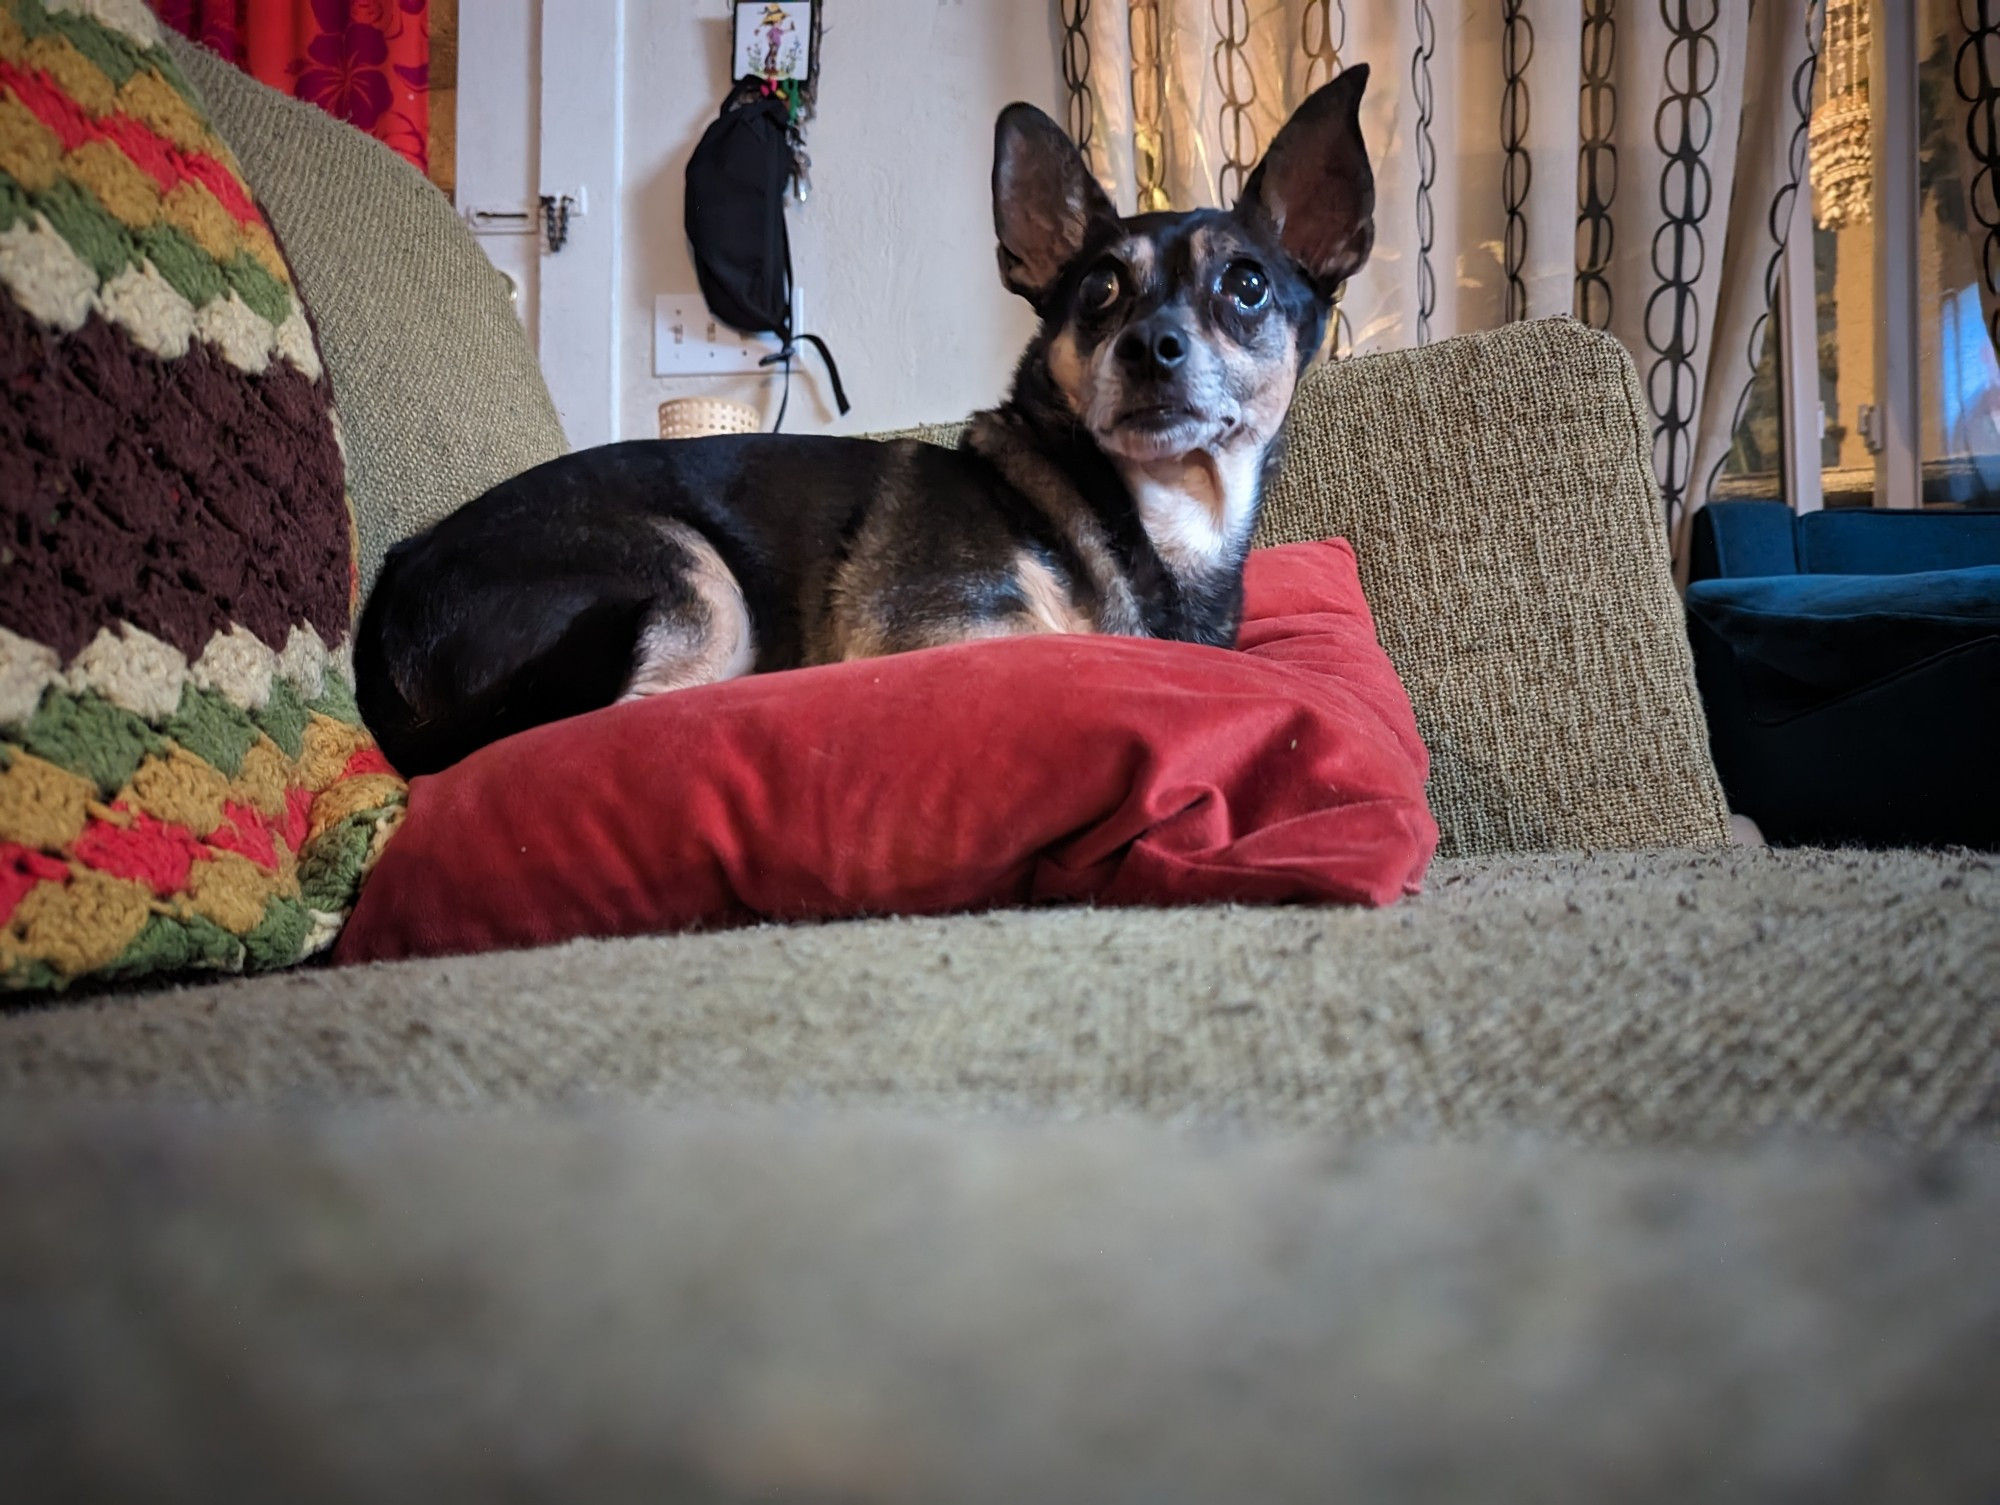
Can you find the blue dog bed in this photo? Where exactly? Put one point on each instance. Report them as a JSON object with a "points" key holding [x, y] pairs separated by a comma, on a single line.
{"points": [[1850, 667]]}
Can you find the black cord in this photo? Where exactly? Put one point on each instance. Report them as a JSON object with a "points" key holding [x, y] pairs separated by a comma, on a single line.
{"points": [[784, 357], [785, 393], [832, 371]]}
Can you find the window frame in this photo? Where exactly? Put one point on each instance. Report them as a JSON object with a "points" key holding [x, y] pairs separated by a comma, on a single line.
{"points": [[1898, 464]]}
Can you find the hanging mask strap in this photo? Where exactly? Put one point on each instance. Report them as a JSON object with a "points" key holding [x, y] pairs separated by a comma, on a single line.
{"points": [[790, 348]]}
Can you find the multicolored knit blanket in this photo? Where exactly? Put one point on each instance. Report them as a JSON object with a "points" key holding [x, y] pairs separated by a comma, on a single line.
{"points": [[184, 780]]}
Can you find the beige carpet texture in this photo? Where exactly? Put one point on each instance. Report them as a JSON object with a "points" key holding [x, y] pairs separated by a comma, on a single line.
{"points": [[437, 388], [1622, 998], [865, 1310]]}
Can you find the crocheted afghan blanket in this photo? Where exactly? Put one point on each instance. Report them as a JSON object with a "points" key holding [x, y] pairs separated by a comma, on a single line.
{"points": [[184, 779]]}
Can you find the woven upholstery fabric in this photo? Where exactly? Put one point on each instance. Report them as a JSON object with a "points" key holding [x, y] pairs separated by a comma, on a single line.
{"points": [[439, 393], [1498, 490], [1630, 997], [1499, 493], [184, 780], [844, 1309]]}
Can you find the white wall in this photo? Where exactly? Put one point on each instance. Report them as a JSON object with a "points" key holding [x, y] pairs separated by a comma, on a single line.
{"points": [[499, 67], [894, 248]]}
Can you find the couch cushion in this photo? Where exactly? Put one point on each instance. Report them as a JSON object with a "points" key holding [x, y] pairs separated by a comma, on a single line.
{"points": [[1744, 539], [184, 780], [1626, 997], [1047, 768], [701, 1308], [1864, 541], [1498, 490], [1499, 493], [440, 396], [1855, 708], [1801, 640]]}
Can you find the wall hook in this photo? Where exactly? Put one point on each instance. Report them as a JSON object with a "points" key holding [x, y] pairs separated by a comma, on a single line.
{"points": [[555, 219]]}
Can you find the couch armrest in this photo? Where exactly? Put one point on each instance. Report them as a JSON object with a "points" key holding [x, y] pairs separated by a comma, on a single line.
{"points": [[1498, 490], [1743, 540]]}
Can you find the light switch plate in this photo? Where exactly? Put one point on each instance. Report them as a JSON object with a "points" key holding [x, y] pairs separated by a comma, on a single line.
{"points": [[688, 340]]}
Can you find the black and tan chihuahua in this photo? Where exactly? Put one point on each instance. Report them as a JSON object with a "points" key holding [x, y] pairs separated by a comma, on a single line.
{"points": [[1115, 491]]}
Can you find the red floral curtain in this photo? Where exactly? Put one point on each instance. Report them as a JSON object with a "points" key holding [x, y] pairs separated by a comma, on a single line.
{"points": [[365, 61]]}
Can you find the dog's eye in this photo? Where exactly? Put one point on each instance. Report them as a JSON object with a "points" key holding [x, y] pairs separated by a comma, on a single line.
{"points": [[1100, 290], [1246, 286]]}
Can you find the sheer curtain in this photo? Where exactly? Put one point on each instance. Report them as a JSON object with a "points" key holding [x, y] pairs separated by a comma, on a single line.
{"points": [[1629, 162]]}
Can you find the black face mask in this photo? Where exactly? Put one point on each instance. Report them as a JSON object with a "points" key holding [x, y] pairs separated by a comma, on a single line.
{"points": [[736, 229]]}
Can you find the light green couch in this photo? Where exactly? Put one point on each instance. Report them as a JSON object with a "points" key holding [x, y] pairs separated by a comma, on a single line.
{"points": [[1620, 1164]]}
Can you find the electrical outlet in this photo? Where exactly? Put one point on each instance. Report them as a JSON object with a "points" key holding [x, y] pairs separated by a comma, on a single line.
{"points": [[688, 340]]}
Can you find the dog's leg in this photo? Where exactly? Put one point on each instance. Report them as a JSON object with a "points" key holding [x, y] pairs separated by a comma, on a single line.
{"points": [[698, 635], [874, 613]]}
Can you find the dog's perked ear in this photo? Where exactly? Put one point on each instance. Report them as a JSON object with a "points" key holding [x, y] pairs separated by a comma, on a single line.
{"points": [[1314, 190], [1045, 200]]}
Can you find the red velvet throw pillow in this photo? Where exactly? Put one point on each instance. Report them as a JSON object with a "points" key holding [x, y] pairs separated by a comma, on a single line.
{"points": [[1028, 770]]}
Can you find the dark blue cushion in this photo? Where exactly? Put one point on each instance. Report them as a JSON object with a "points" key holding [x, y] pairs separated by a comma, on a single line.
{"points": [[1864, 541], [1849, 662], [1801, 640], [1907, 761], [1735, 539]]}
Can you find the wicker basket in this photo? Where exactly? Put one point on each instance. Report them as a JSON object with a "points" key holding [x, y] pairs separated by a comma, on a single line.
{"points": [[697, 417]]}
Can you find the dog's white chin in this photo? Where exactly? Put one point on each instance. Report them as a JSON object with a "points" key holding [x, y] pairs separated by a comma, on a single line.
{"points": [[1151, 444]]}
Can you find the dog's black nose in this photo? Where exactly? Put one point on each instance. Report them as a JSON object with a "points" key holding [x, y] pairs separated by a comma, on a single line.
{"points": [[1154, 344]]}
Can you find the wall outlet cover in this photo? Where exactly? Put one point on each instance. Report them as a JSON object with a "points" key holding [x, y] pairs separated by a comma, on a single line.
{"points": [[688, 340]]}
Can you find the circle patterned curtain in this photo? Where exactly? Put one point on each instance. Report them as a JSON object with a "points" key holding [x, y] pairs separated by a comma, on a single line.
{"points": [[1631, 163]]}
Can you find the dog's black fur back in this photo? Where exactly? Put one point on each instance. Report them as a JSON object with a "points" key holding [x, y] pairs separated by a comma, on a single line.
{"points": [[526, 606], [1114, 492]]}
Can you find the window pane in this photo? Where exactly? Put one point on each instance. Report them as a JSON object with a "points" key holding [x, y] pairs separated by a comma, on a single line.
{"points": [[1834, 434], [1957, 271], [1753, 469], [1958, 377], [1843, 181]]}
